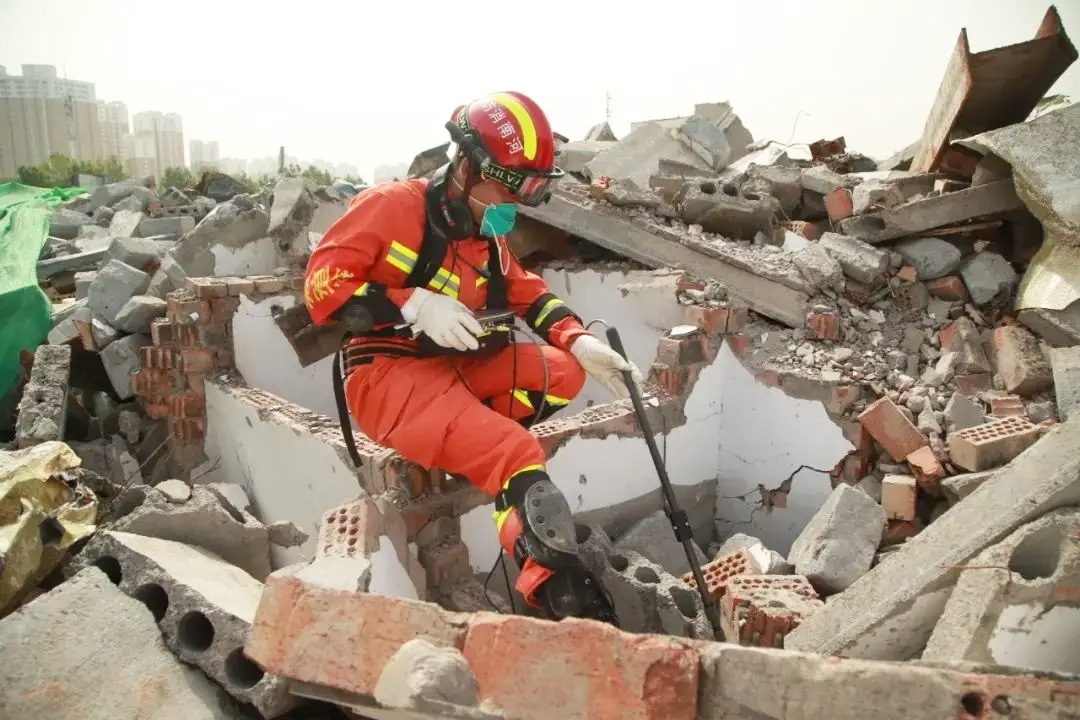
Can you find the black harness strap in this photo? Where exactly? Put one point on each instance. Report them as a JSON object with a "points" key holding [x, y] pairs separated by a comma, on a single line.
{"points": [[343, 406]]}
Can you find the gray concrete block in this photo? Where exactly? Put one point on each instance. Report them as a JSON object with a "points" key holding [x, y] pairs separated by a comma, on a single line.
{"points": [[821, 180], [705, 140], [43, 407], [291, 212], [115, 283], [232, 225], [1065, 365], [837, 546], [1020, 616], [109, 195], [718, 208], [203, 605], [121, 360], [138, 312], [769, 561], [963, 412], [820, 269], [601, 132], [103, 333], [85, 650], [141, 253], [175, 225], [782, 182], [574, 156], [861, 261], [205, 522], [125, 223], [890, 612], [987, 276], [83, 281], [66, 224], [930, 256], [637, 156], [653, 538]]}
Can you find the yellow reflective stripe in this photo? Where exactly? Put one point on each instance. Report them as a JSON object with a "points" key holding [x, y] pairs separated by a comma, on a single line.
{"points": [[444, 278], [361, 290], [523, 397], [448, 290], [553, 400], [525, 469], [528, 129], [500, 517], [410, 254], [546, 310], [481, 280]]}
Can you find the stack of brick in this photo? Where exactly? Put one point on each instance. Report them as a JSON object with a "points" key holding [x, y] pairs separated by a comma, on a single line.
{"points": [[722, 570], [192, 341], [760, 610]]}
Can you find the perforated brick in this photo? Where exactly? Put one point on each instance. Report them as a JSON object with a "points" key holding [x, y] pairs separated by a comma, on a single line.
{"points": [[761, 610], [720, 571], [991, 444], [350, 530]]}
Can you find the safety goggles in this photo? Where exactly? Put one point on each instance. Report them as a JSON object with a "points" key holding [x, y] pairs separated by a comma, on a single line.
{"points": [[529, 187]]}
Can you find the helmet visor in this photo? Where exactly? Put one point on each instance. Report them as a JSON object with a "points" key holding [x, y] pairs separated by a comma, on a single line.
{"points": [[529, 187]]}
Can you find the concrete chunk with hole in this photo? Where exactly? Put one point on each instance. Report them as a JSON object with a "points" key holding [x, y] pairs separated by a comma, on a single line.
{"points": [[204, 606], [85, 650], [654, 538]]}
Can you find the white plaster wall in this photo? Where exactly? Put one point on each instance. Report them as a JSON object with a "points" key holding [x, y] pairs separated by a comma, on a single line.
{"points": [[1030, 636], [288, 473], [255, 258], [765, 436], [388, 575], [648, 308], [267, 361]]}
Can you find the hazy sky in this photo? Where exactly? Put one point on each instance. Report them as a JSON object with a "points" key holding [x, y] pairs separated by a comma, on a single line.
{"points": [[373, 82]]}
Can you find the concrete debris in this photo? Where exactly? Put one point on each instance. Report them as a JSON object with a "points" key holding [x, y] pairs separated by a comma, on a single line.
{"points": [[230, 226], [203, 521], [768, 561], [103, 657], [931, 257], [1065, 364], [125, 223], [114, 285], [706, 140], [575, 156], [820, 268], [987, 276], [637, 156], [138, 312], [1018, 360], [291, 211], [962, 412], [721, 209], [122, 360], [838, 544], [203, 605], [43, 408], [653, 538], [422, 676], [600, 133], [860, 261], [760, 610]]}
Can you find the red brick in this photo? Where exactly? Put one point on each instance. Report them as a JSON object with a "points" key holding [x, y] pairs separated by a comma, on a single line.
{"points": [[188, 335], [959, 161], [206, 312], [908, 274], [823, 326], [738, 317], [180, 308], [739, 343], [771, 378], [197, 383], [823, 149], [973, 384], [678, 352], [186, 430], [296, 282], [156, 357], [214, 336], [949, 287], [223, 309], [803, 228], [337, 638], [928, 470], [152, 383], [197, 360], [1007, 406], [580, 669], [445, 563], [157, 410], [162, 332], [1019, 361], [950, 337], [685, 282], [899, 494], [207, 287], [838, 204], [187, 406], [350, 530], [760, 610], [718, 572], [857, 292], [674, 381], [992, 444], [268, 284], [239, 286], [711, 321], [892, 429]]}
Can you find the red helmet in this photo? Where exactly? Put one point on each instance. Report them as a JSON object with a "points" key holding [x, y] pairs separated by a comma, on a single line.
{"points": [[509, 140]]}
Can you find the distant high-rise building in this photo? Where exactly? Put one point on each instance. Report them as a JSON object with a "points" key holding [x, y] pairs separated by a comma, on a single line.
{"points": [[232, 166], [115, 129], [203, 155], [157, 143], [41, 114]]}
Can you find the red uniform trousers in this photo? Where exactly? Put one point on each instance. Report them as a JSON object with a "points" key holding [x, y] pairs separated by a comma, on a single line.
{"points": [[465, 422]]}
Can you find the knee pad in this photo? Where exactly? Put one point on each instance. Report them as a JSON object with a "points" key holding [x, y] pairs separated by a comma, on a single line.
{"points": [[534, 521]]}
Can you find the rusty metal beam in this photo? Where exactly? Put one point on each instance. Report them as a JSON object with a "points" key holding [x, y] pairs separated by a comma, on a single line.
{"points": [[992, 89]]}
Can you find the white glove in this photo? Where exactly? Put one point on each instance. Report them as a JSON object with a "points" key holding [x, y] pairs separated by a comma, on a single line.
{"points": [[443, 319], [604, 364]]}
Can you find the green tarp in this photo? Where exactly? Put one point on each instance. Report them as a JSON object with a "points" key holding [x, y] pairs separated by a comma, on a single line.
{"points": [[25, 311]]}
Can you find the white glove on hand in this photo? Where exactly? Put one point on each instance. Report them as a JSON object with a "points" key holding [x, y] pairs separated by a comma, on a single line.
{"points": [[443, 319], [604, 364]]}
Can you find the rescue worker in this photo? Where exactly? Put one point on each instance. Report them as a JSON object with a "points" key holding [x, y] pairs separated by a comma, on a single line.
{"points": [[431, 255]]}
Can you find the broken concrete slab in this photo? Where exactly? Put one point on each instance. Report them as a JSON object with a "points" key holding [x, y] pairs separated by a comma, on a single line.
{"points": [[203, 605], [231, 225], [575, 156], [138, 312], [783, 182], [821, 180], [741, 217], [114, 284], [930, 256], [890, 612], [125, 223], [819, 267], [895, 188], [102, 333], [988, 276], [705, 140], [68, 263], [43, 407], [773, 288], [122, 360], [637, 156], [103, 658], [837, 546], [601, 132], [1021, 615], [175, 225], [204, 522], [860, 261], [291, 212], [920, 216], [66, 224], [1065, 365], [958, 487], [653, 538]]}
